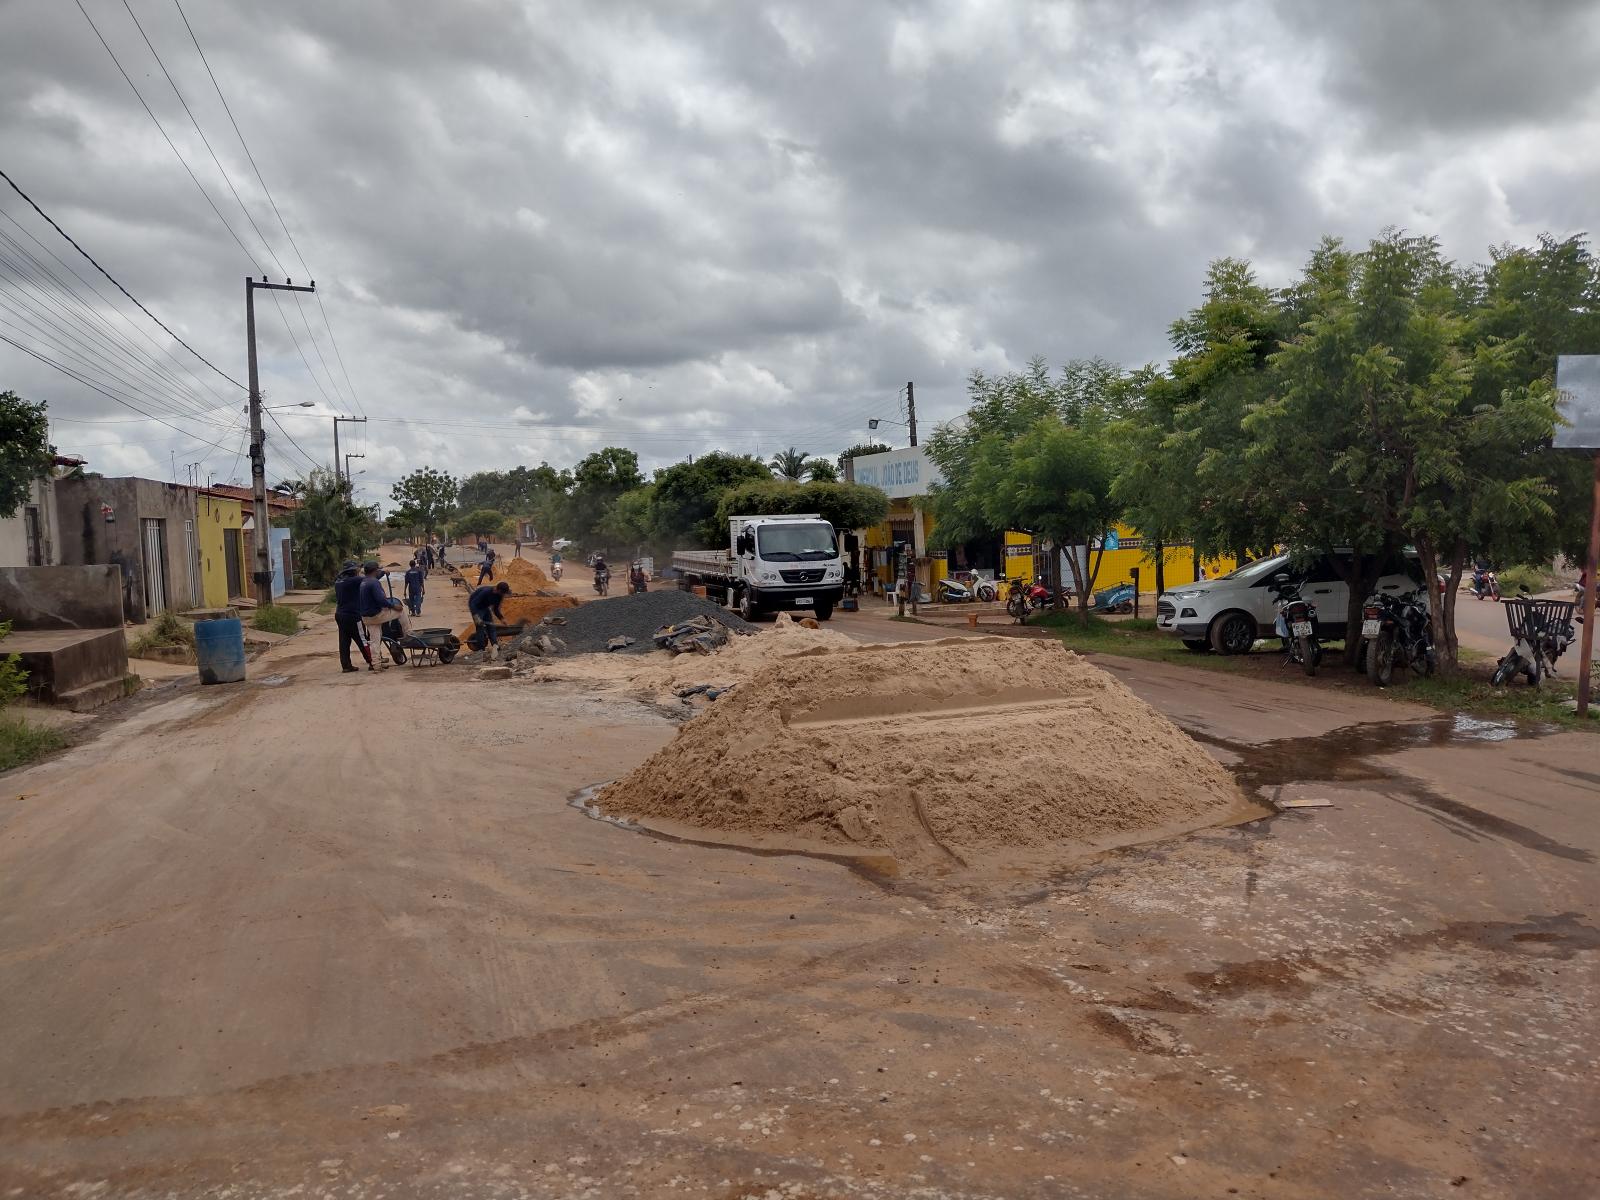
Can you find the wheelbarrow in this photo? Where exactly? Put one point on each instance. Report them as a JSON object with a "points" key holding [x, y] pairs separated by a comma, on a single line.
{"points": [[1117, 599], [420, 645]]}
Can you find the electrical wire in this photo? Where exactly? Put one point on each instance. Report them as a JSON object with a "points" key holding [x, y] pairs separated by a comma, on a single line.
{"points": [[49, 220], [110, 395], [37, 273], [310, 462], [227, 108]]}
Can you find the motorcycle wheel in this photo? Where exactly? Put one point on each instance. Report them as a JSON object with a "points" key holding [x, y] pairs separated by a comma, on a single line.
{"points": [[1125, 607], [1305, 648], [1018, 608], [1429, 663], [1506, 669], [985, 594], [1380, 660]]}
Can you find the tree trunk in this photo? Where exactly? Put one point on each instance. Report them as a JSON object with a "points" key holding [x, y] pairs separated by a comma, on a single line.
{"points": [[1355, 601], [1161, 568], [1451, 647], [1087, 576]]}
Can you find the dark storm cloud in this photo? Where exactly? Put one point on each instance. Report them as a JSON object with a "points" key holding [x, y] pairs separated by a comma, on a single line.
{"points": [[751, 223], [1458, 66]]}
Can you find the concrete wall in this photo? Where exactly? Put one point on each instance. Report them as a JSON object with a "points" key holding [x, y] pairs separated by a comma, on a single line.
{"points": [[61, 597], [87, 537], [14, 532]]}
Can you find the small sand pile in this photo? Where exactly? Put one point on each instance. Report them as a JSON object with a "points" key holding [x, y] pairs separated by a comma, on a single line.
{"points": [[658, 676], [942, 754], [531, 596]]}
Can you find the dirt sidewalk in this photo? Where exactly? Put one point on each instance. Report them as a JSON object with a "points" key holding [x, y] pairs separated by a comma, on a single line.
{"points": [[344, 936]]}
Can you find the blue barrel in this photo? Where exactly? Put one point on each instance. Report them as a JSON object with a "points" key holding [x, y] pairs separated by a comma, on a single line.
{"points": [[219, 650]]}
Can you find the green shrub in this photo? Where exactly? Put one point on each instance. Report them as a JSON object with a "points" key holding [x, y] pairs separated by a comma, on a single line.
{"points": [[276, 618], [165, 631], [327, 604], [13, 679], [1534, 578], [21, 743]]}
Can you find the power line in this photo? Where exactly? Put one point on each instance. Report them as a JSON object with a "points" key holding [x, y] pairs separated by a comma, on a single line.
{"points": [[110, 395], [311, 462], [73, 243], [37, 273], [227, 179], [261, 179]]}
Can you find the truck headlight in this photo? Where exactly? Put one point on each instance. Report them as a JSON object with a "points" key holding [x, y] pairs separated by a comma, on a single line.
{"points": [[768, 577], [833, 573]]}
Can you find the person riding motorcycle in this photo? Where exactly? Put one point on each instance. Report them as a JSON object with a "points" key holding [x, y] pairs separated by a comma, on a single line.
{"points": [[602, 574]]}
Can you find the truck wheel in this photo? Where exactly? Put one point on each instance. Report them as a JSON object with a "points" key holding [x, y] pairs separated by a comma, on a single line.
{"points": [[824, 611], [748, 608], [1233, 633]]}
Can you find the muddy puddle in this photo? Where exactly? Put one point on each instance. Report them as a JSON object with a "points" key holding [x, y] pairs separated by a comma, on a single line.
{"points": [[1354, 754]]}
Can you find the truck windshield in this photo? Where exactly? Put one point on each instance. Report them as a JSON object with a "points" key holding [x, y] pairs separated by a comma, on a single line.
{"points": [[796, 543]]}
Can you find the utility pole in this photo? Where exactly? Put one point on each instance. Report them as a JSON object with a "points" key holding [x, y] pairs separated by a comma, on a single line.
{"points": [[1591, 565], [349, 478], [262, 575], [347, 421], [911, 410]]}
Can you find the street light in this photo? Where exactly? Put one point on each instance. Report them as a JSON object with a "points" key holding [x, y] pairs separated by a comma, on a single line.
{"points": [[874, 422], [281, 407]]}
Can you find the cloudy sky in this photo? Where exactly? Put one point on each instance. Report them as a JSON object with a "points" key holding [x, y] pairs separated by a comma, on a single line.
{"points": [[541, 228]]}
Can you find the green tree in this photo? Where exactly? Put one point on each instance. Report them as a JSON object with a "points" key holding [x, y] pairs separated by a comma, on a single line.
{"points": [[328, 528], [629, 521], [25, 451], [429, 494], [821, 470], [482, 522], [789, 464], [516, 492], [597, 481], [684, 500], [844, 505]]}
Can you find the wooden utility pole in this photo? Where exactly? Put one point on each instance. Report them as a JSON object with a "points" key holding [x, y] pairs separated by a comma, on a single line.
{"points": [[336, 459], [262, 575], [1591, 561], [911, 410]]}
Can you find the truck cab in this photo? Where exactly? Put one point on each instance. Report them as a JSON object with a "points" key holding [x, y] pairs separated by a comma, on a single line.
{"points": [[785, 563]]}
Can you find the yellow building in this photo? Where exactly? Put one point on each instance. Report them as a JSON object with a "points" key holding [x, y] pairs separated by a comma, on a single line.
{"points": [[219, 530]]}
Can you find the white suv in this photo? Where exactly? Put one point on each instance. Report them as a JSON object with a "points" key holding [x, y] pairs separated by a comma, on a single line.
{"points": [[1230, 613]]}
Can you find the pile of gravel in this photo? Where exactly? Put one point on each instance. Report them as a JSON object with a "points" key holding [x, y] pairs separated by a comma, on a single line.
{"points": [[587, 628]]}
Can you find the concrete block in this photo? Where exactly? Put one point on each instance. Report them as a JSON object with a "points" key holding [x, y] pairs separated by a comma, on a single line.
{"points": [[61, 597], [63, 662]]}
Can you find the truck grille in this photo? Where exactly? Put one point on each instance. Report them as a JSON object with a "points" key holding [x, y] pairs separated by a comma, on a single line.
{"points": [[806, 576], [1164, 609]]}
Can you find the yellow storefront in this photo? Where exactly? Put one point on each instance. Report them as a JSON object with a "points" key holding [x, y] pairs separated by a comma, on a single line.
{"points": [[219, 528]]}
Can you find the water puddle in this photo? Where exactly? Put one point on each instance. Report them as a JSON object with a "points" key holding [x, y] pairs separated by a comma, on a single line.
{"points": [[1349, 755]]}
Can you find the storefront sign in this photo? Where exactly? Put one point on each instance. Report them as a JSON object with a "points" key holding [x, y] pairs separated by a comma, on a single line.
{"points": [[1023, 551], [899, 474]]}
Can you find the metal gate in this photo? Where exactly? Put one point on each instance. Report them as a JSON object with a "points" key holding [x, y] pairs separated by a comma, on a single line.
{"points": [[191, 546], [155, 565], [233, 552]]}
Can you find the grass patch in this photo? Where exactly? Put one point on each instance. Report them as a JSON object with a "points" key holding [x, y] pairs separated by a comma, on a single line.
{"points": [[21, 743], [167, 632], [1132, 637], [327, 604], [276, 618], [1474, 695]]}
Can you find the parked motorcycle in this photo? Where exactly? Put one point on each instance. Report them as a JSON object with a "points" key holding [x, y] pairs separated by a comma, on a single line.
{"points": [[1543, 630], [953, 591], [986, 590], [1396, 631], [1485, 585], [1296, 624]]}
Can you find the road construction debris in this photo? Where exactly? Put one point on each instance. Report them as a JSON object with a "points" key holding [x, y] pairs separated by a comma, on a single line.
{"points": [[619, 643], [942, 754], [1303, 803], [494, 672], [588, 627], [697, 635]]}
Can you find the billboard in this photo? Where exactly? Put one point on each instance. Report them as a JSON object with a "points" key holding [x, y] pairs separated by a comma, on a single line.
{"points": [[1578, 382]]}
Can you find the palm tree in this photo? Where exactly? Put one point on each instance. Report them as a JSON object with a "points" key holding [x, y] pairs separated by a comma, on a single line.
{"points": [[790, 464]]}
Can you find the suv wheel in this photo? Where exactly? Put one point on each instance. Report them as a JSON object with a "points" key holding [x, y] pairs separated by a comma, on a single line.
{"points": [[1233, 633]]}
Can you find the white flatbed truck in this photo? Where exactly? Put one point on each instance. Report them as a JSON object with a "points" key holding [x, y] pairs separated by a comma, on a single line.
{"points": [[772, 564]]}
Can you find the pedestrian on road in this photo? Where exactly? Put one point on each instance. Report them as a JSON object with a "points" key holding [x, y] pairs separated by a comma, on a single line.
{"points": [[377, 609], [415, 586], [517, 549], [347, 616], [487, 568], [484, 605]]}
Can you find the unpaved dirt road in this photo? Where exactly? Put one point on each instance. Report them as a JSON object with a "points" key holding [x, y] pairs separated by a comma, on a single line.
{"points": [[331, 936]]}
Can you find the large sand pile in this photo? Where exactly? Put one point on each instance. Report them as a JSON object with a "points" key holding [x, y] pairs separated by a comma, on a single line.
{"points": [[530, 599], [523, 575], [962, 751]]}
